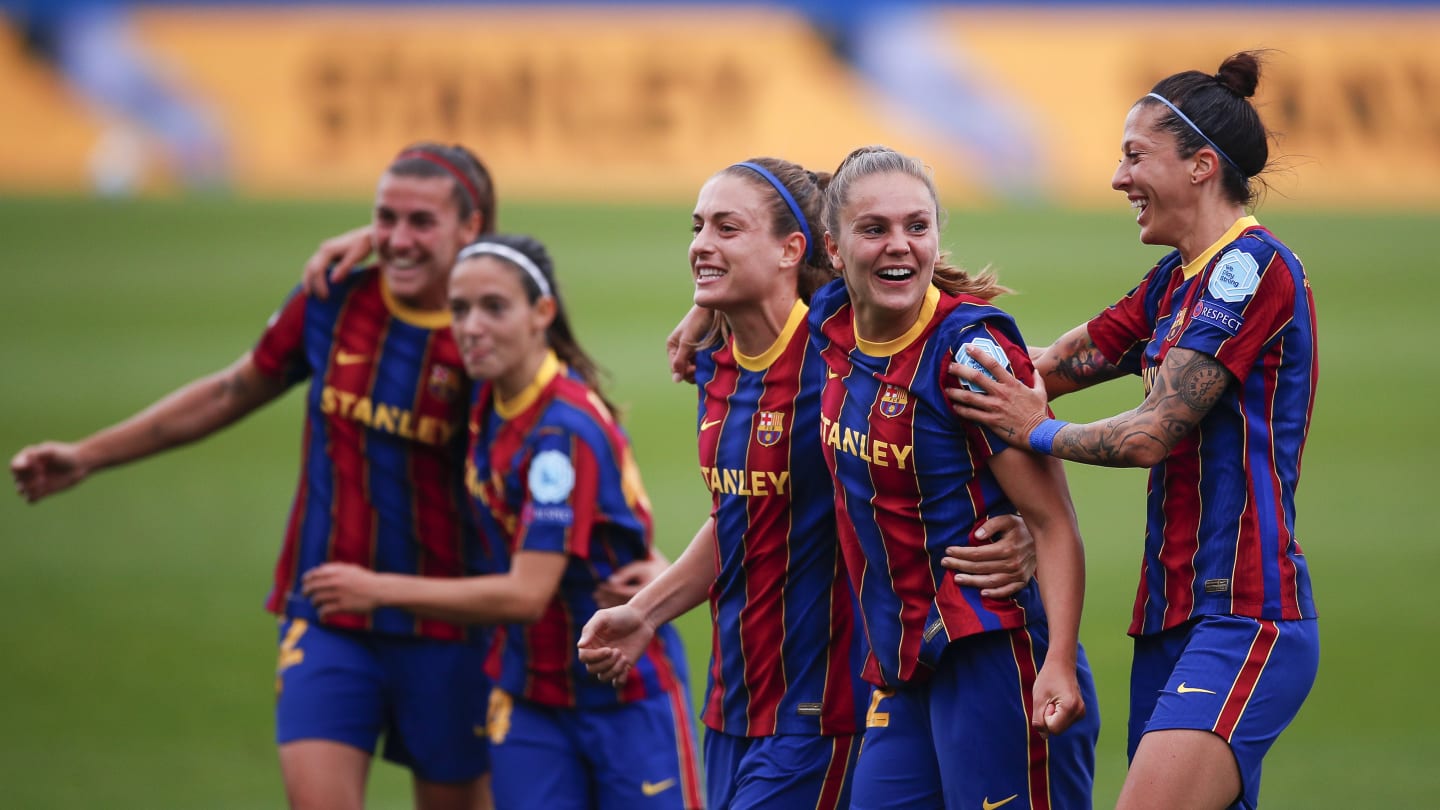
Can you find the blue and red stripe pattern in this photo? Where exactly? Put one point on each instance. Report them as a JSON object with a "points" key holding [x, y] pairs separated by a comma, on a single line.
{"points": [[383, 448], [552, 472], [1220, 528], [912, 477], [786, 653]]}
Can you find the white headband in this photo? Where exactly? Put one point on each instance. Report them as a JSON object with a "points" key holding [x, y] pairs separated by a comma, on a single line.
{"points": [[511, 255]]}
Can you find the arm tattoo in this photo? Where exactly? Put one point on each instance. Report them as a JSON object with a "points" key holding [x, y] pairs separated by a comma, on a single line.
{"points": [[1183, 393], [233, 385], [1086, 363]]}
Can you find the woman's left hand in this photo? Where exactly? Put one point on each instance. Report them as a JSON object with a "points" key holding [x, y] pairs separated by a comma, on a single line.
{"points": [[342, 588], [1000, 401]]}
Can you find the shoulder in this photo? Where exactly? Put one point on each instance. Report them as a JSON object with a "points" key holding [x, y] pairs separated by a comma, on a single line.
{"points": [[828, 300], [1240, 266]]}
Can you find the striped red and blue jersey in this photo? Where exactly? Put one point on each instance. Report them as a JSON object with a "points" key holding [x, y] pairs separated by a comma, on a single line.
{"points": [[382, 451], [552, 472], [912, 477], [1220, 520], [785, 652]]}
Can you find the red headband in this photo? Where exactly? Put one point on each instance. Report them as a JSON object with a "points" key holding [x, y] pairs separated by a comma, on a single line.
{"points": [[449, 167]]}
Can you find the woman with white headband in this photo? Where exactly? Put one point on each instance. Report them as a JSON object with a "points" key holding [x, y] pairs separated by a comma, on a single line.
{"points": [[1222, 331], [560, 502]]}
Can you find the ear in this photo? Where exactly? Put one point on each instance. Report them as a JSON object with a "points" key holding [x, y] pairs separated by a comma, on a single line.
{"points": [[545, 309], [833, 251], [470, 228], [1203, 164], [792, 253]]}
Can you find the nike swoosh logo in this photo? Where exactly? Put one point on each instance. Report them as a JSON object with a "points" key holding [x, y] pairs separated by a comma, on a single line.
{"points": [[349, 358], [653, 788], [709, 423], [830, 374], [1185, 690], [989, 805]]}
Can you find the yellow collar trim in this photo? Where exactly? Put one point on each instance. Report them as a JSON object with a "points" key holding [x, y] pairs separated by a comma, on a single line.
{"points": [[549, 368], [425, 319], [762, 361], [889, 347], [1193, 267]]}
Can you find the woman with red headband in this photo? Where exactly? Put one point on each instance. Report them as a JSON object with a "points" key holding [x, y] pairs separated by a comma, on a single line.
{"points": [[381, 486]]}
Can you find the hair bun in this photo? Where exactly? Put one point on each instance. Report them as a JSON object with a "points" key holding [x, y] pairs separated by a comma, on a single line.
{"points": [[1240, 74]]}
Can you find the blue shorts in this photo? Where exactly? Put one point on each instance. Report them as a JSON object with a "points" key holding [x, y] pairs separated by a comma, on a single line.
{"points": [[1241, 678], [638, 755], [427, 697], [963, 739], [785, 770]]}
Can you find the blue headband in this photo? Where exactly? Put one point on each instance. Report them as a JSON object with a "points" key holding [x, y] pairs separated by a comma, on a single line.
{"points": [[789, 201], [1198, 131]]}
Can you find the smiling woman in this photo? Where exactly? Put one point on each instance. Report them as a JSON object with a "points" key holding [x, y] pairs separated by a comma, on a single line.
{"points": [[562, 509], [380, 488], [976, 697], [1222, 332]]}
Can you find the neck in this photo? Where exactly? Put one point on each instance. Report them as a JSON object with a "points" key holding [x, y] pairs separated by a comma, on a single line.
{"points": [[1210, 223], [513, 383], [875, 325], [756, 327]]}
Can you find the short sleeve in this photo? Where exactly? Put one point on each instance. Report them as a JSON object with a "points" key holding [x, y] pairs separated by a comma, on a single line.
{"points": [[561, 488], [1001, 341], [280, 352], [1122, 330], [1248, 297]]}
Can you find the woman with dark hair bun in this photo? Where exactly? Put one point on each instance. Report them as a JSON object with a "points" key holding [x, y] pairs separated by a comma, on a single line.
{"points": [[1222, 332]]}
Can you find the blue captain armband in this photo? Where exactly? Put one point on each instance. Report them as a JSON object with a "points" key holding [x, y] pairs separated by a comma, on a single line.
{"points": [[1042, 438]]}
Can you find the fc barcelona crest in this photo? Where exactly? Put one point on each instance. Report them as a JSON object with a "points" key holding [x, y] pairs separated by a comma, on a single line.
{"points": [[1177, 324], [769, 427], [893, 400], [444, 383]]}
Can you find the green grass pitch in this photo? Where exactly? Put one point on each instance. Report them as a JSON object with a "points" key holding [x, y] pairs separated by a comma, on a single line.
{"points": [[138, 662]]}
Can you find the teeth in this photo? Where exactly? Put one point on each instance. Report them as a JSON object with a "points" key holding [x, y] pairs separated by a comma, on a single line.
{"points": [[1139, 204], [709, 272], [895, 272]]}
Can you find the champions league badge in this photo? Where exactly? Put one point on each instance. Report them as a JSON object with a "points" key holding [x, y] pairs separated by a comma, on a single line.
{"points": [[551, 477], [893, 401], [1235, 277], [769, 427], [444, 383], [987, 346]]}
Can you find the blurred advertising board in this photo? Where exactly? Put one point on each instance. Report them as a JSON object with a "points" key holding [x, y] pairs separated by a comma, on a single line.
{"points": [[645, 102]]}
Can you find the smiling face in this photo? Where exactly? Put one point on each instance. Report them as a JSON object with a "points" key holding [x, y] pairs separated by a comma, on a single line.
{"points": [[502, 335], [887, 242], [1155, 178], [736, 261], [418, 232]]}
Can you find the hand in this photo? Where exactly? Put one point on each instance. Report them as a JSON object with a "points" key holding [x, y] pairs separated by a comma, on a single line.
{"points": [[681, 344], [41, 470], [1058, 703], [627, 581], [1004, 404], [612, 641], [342, 588], [344, 251], [1000, 568]]}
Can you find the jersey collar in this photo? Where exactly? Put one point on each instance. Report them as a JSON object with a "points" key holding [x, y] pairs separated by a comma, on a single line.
{"points": [[1198, 264], [549, 368], [889, 347], [762, 361]]}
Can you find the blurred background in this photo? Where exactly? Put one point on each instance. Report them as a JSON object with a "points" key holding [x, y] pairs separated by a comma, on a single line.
{"points": [[165, 168]]}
